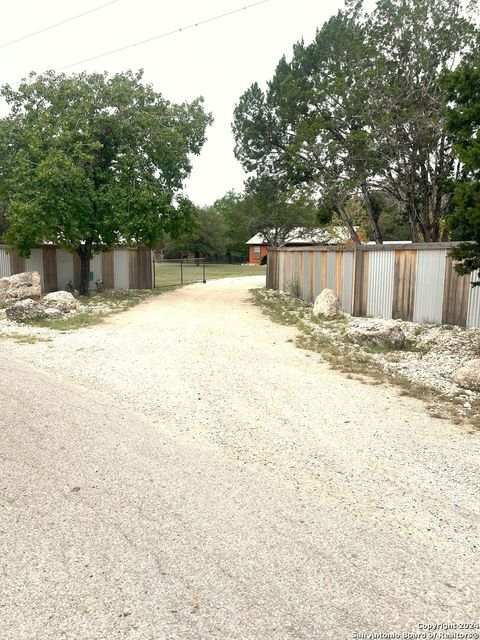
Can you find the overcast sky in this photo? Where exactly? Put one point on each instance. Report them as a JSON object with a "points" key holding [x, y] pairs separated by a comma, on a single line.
{"points": [[218, 60]]}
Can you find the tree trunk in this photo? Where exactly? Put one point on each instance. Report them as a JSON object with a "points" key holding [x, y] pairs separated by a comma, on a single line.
{"points": [[426, 197], [351, 229], [372, 216], [85, 255], [411, 206], [412, 223]]}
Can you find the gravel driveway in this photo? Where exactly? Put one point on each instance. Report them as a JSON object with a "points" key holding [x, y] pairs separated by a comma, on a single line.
{"points": [[183, 471]]}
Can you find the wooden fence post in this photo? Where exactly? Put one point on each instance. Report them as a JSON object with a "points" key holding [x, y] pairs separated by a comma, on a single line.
{"points": [[271, 266], [357, 288], [49, 255]]}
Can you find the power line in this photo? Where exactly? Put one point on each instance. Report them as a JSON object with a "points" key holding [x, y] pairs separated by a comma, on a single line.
{"points": [[58, 24], [163, 35]]}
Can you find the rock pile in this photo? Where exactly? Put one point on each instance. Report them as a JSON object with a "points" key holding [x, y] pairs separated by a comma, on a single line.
{"points": [[383, 333], [25, 310], [21, 286], [53, 305]]}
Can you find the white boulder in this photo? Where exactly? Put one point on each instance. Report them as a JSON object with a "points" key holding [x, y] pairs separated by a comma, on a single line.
{"points": [[61, 300], [25, 310], [21, 286], [468, 376], [53, 313], [327, 304], [383, 333]]}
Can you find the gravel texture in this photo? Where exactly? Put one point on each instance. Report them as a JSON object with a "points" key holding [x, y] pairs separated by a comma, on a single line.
{"points": [[11, 329], [440, 352], [432, 355], [96, 305], [184, 471]]}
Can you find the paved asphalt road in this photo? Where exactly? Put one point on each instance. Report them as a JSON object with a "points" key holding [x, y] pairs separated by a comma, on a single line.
{"points": [[112, 526]]}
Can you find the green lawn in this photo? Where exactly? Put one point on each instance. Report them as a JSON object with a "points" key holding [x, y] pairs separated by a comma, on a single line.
{"points": [[167, 274]]}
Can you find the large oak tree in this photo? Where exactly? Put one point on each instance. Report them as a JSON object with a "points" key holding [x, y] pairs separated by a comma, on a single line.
{"points": [[88, 161]]}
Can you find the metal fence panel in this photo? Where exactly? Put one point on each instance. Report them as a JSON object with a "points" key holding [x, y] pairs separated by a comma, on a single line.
{"points": [[281, 269], [382, 282], [35, 263], [331, 270], [381, 266], [306, 278], [65, 269], [473, 315], [347, 281], [296, 275], [96, 270], [429, 286], [316, 274], [287, 276], [4, 264], [120, 269]]}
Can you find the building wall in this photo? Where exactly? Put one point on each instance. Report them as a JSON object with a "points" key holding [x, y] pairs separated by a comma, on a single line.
{"points": [[415, 282], [119, 269], [255, 259]]}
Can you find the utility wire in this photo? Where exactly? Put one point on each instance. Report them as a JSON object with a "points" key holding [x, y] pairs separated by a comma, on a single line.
{"points": [[163, 35], [58, 24]]}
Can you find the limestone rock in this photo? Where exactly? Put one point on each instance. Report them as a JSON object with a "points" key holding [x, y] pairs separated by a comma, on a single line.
{"points": [[327, 304], [61, 300], [25, 310], [53, 313], [21, 286], [383, 333], [468, 376]]}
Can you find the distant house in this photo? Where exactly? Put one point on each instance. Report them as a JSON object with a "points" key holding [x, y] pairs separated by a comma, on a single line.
{"points": [[297, 238]]}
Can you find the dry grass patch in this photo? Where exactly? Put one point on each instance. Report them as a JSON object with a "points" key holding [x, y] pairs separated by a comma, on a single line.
{"points": [[25, 338]]}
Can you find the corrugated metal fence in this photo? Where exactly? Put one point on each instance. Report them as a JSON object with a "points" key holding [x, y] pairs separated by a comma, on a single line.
{"points": [[122, 268], [415, 282]]}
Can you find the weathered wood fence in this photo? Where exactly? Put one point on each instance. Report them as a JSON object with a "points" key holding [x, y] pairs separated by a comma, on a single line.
{"points": [[122, 268], [415, 282]]}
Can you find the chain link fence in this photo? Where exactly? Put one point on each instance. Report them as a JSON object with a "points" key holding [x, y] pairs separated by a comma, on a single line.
{"points": [[172, 273]]}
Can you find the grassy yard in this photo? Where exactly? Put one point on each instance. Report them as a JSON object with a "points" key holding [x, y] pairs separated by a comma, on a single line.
{"points": [[168, 274]]}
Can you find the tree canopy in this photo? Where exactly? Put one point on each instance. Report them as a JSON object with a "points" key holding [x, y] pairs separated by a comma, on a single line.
{"points": [[88, 161], [265, 207], [233, 211], [276, 212], [360, 112], [206, 236], [464, 128]]}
